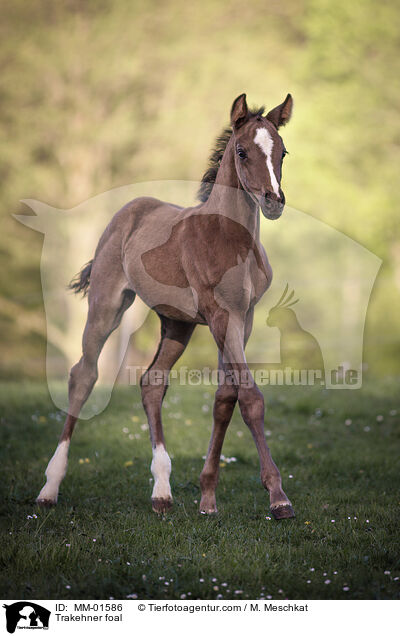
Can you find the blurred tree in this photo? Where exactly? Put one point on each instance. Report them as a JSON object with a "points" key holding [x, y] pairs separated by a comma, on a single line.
{"points": [[104, 93]]}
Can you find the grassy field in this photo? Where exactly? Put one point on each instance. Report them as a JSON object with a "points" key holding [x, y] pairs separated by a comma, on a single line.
{"points": [[338, 453]]}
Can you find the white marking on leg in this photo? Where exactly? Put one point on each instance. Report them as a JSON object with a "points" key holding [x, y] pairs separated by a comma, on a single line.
{"points": [[161, 470], [264, 140], [55, 473]]}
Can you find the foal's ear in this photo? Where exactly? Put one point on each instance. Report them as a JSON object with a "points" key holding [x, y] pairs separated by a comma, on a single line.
{"points": [[239, 112], [280, 115]]}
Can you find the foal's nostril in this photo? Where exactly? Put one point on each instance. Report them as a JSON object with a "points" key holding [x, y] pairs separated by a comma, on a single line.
{"points": [[271, 197]]}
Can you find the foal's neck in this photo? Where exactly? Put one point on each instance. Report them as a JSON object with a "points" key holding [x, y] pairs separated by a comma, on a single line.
{"points": [[229, 198]]}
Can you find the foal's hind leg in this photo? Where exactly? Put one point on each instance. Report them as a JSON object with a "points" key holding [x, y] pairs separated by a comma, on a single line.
{"points": [[175, 335], [106, 308]]}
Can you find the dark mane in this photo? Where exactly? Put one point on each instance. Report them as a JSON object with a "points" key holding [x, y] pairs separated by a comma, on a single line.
{"points": [[216, 155]]}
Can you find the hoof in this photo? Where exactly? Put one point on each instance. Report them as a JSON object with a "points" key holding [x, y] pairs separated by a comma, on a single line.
{"points": [[46, 503], [208, 504], [208, 511], [161, 505], [284, 511]]}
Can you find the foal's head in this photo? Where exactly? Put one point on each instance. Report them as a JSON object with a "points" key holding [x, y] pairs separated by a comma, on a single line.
{"points": [[259, 153]]}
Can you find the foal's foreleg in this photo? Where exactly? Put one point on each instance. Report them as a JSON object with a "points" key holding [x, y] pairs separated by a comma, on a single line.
{"points": [[224, 404], [175, 336], [251, 403], [104, 316], [226, 331]]}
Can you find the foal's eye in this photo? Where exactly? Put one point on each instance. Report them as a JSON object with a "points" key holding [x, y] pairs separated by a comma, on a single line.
{"points": [[284, 153], [242, 153]]}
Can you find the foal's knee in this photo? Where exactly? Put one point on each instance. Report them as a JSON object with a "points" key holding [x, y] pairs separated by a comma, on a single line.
{"points": [[251, 402], [225, 400]]}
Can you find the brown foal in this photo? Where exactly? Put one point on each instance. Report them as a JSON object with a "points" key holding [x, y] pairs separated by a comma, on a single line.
{"points": [[200, 265]]}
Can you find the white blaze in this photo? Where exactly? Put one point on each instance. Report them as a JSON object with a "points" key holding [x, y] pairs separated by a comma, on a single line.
{"points": [[55, 472], [264, 140], [161, 470]]}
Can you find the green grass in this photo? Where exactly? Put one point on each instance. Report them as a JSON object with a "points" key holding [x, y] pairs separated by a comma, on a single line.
{"points": [[103, 540]]}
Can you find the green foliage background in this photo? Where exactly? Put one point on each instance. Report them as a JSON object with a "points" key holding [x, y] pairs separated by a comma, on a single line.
{"points": [[98, 94]]}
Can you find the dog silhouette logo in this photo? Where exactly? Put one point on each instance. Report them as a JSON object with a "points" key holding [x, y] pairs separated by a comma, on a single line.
{"points": [[26, 615]]}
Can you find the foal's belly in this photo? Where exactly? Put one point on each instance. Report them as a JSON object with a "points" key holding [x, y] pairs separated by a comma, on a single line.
{"points": [[175, 313]]}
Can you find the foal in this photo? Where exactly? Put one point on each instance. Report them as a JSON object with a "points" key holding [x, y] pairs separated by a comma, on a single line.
{"points": [[201, 265]]}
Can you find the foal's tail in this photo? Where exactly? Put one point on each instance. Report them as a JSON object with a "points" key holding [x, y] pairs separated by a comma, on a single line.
{"points": [[81, 281]]}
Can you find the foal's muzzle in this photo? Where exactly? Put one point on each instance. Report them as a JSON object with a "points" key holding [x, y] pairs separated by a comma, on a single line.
{"points": [[271, 206]]}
